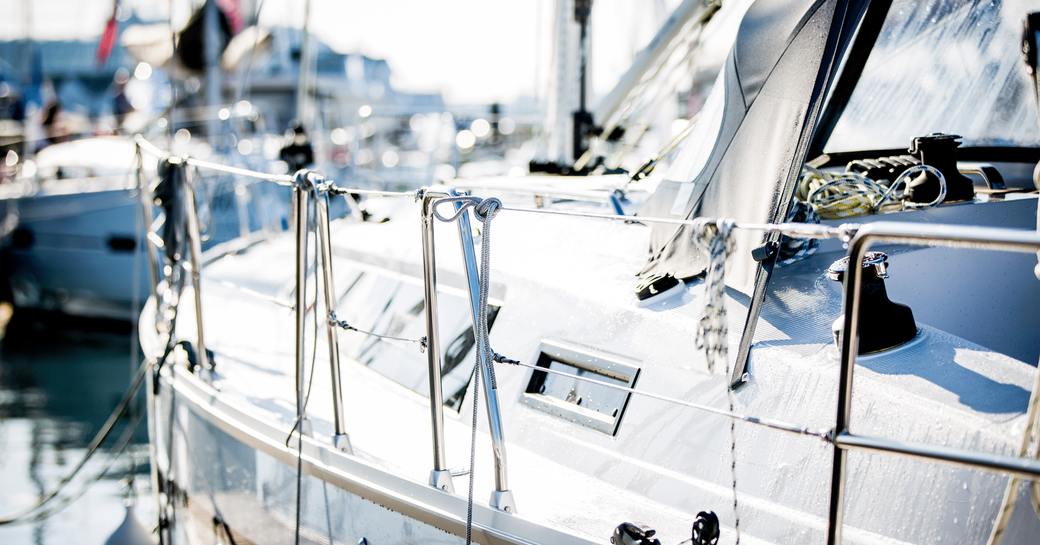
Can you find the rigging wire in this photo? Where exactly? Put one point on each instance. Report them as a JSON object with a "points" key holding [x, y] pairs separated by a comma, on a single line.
{"points": [[778, 425], [243, 81], [344, 325]]}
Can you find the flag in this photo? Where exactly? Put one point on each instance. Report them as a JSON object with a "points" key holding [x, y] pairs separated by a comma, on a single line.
{"points": [[108, 37]]}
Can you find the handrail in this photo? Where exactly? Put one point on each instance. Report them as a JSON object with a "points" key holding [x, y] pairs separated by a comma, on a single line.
{"points": [[979, 238], [803, 230]]}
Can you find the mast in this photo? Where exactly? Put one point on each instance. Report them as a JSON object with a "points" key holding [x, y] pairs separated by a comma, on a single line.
{"points": [[564, 95], [584, 125], [303, 109], [214, 79]]}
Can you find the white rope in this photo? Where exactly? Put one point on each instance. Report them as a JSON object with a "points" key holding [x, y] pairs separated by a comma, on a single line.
{"points": [[902, 180], [712, 332], [484, 210], [715, 236]]}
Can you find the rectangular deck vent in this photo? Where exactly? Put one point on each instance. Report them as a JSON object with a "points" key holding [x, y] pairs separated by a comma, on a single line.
{"points": [[582, 402]]}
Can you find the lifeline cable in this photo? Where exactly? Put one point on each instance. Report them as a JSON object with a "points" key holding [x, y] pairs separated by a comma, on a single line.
{"points": [[344, 325], [800, 230], [777, 425]]}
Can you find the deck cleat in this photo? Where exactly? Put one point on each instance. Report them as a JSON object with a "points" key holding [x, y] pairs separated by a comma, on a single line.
{"points": [[883, 324], [628, 533], [657, 288]]}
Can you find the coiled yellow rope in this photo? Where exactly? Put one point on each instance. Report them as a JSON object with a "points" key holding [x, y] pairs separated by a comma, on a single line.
{"points": [[850, 194]]}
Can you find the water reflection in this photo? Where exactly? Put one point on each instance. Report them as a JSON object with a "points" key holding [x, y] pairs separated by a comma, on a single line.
{"points": [[57, 387]]}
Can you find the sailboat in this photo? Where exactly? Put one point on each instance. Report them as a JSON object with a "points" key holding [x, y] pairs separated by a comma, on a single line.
{"points": [[811, 320]]}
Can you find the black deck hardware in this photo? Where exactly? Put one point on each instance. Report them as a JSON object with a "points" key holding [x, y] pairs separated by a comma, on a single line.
{"points": [[705, 530], [655, 285], [628, 533], [883, 324], [940, 151]]}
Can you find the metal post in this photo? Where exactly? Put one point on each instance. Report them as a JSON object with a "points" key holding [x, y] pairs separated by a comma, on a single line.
{"points": [[440, 476], [501, 497], [340, 439], [849, 348], [195, 250], [300, 209]]}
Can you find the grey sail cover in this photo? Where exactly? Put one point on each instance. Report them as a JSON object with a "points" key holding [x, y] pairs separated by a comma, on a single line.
{"points": [[772, 84]]}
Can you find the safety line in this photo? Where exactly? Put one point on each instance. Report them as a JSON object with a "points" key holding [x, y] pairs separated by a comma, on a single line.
{"points": [[778, 425]]}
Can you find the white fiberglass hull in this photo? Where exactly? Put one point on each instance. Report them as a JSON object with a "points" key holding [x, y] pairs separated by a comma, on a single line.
{"points": [[78, 253]]}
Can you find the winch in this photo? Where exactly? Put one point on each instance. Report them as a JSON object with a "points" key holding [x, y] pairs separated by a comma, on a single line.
{"points": [[883, 324]]}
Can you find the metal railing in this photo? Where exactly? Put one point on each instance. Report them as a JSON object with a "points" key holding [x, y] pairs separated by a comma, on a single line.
{"points": [[308, 185], [843, 440], [440, 477]]}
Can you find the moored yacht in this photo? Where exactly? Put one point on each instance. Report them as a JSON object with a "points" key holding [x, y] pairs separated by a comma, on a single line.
{"points": [[528, 363]]}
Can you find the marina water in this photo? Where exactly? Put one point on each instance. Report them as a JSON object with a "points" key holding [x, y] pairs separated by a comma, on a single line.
{"points": [[58, 384]]}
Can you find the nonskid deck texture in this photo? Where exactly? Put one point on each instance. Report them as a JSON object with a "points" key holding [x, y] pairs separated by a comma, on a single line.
{"points": [[569, 280]]}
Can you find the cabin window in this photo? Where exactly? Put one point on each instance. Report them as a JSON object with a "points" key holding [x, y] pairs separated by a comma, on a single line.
{"points": [[597, 406], [942, 66]]}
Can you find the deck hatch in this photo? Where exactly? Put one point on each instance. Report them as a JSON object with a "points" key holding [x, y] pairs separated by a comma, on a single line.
{"points": [[598, 407]]}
